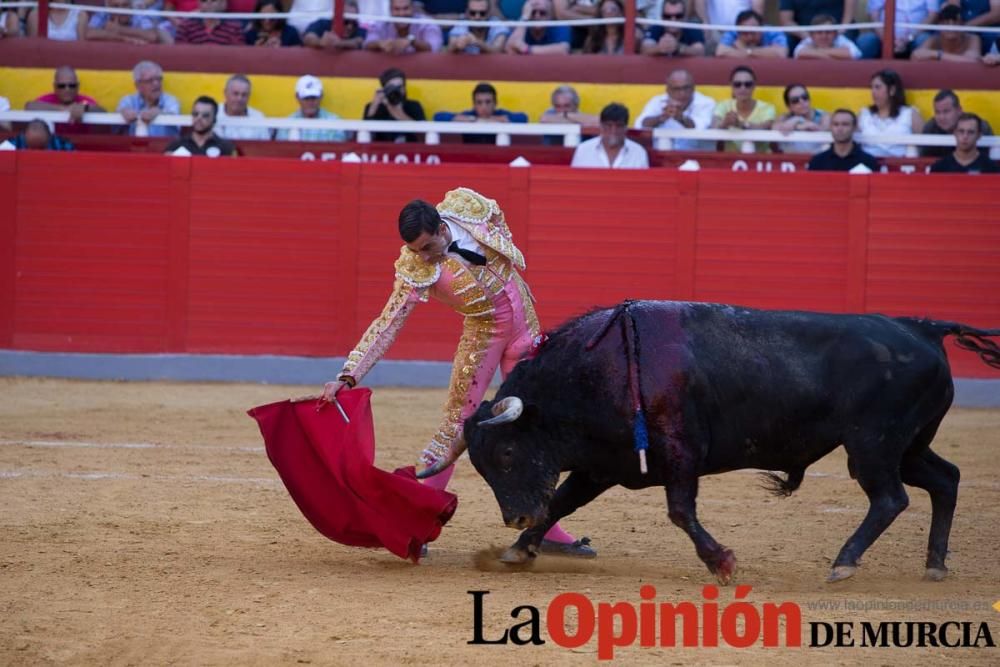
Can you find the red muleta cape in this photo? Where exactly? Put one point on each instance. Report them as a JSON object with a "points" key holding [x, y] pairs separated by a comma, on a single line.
{"points": [[327, 467]]}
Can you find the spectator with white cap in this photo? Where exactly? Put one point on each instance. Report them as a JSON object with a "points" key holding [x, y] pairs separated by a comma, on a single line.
{"points": [[309, 92]]}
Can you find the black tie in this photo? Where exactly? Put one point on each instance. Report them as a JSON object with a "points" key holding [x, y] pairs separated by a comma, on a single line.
{"points": [[470, 256]]}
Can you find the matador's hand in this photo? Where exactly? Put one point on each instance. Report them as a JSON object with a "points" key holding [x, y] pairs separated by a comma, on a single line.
{"points": [[331, 389]]}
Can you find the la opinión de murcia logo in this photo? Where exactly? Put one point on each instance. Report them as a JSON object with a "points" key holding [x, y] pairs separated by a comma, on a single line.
{"points": [[571, 620]]}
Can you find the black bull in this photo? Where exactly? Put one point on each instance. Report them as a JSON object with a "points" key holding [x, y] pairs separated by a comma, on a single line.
{"points": [[724, 388]]}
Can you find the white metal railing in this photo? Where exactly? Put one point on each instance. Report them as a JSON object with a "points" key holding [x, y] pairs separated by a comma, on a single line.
{"points": [[322, 14], [432, 130], [511, 23], [748, 137]]}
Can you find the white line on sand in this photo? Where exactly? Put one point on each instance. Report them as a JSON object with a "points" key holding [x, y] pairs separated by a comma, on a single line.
{"points": [[124, 445], [24, 473]]}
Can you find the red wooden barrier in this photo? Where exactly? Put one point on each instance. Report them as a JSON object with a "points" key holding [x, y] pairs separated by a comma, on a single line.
{"points": [[146, 253]]}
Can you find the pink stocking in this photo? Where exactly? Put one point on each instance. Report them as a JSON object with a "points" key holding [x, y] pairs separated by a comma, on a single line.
{"points": [[557, 534]]}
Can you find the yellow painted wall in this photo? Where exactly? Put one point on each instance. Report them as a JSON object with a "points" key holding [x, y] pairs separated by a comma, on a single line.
{"points": [[346, 97]]}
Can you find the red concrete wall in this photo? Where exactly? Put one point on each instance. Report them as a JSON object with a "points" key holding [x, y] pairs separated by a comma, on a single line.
{"points": [[147, 253]]}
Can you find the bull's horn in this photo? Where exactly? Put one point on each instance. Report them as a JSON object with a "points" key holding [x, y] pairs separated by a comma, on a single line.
{"points": [[505, 411], [456, 449]]}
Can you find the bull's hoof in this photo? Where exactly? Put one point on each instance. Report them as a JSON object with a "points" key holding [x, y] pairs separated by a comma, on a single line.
{"points": [[841, 572], [515, 555], [935, 574], [726, 568]]}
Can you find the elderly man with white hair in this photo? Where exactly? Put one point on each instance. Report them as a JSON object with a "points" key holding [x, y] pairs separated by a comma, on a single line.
{"points": [[236, 104], [149, 101]]}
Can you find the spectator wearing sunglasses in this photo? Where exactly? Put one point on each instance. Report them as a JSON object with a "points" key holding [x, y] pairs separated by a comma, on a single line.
{"points": [[801, 117], [826, 44], [673, 41], [65, 96], [742, 111], [202, 140], [321, 35], [482, 39], [752, 44], [540, 40]]}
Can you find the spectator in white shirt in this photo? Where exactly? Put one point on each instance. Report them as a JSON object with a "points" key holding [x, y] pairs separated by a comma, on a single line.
{"points": [[680, 107], [826, 44], [236, 105], [611, 150]]}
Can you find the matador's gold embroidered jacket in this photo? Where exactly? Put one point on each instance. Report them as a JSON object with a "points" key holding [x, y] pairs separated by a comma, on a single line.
{"points": [[468, 289]]}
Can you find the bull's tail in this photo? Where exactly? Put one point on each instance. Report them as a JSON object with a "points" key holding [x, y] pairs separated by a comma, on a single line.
{"points": [[966, 337], [782, 486]]}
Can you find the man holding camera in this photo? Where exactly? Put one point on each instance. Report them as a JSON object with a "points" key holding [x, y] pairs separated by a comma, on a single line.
{"points": [[390, 103]]}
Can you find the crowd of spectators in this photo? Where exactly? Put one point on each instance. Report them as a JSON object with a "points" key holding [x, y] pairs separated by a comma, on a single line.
{"points": [[934, 41], [680, 107]]}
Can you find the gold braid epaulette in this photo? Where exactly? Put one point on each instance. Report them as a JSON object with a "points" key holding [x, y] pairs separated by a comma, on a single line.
{"points": [[414, 271], [482, 218]]}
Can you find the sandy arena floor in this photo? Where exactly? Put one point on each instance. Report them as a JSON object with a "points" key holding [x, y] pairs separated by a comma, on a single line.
{"points": [[191, 552]]}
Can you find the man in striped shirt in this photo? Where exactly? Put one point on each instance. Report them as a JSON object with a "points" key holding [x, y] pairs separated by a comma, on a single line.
{"points": [[210, 30]]}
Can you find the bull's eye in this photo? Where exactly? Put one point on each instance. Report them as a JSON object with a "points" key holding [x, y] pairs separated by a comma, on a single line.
{"points": [[507, 458]]}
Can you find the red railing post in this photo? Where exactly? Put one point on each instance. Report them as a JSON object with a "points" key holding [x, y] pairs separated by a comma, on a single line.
{"points": [[629, 36], [8, 247], [43, 18], [338, 18], [889, 30]]}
